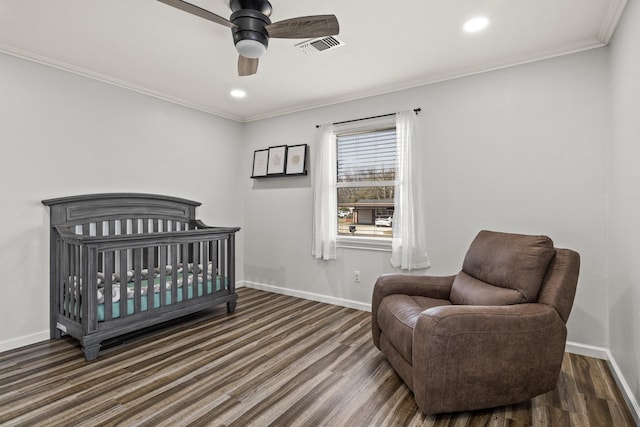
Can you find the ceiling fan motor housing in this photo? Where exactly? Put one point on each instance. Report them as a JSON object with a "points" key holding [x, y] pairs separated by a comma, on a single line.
{"points": [[250, 26], [260, 5]]}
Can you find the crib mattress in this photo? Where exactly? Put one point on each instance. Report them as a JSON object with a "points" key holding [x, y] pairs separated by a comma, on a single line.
{"points": [[115, 306], [149, 282]]}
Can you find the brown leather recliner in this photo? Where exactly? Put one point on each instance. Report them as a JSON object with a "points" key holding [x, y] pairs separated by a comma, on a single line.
{"points": [[492, 335]]}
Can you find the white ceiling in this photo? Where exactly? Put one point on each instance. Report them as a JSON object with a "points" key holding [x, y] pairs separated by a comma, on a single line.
{"points": [[156, 49]]}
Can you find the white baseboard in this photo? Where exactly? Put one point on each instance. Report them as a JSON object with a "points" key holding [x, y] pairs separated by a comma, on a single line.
{"points": [[587, 350], [306, 295], [18, 342]]}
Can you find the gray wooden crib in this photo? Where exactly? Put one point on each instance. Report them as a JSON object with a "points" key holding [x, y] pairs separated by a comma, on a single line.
{"points": [[123, 262]]}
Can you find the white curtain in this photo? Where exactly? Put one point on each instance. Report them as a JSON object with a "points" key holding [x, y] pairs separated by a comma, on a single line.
{"points": [[408, 247], [325, 198]]}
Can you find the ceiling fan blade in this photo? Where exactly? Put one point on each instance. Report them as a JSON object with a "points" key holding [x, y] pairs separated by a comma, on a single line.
{"points": [[304, 27], [198, 11], [247, 66]]}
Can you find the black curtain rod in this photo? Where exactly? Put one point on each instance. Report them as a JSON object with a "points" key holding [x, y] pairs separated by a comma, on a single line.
{"points": [[416, 110]]}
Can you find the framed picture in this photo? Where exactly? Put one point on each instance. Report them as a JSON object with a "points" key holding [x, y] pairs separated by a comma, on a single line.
{"points": [[260, 162], [277, 160], [296, 157]]}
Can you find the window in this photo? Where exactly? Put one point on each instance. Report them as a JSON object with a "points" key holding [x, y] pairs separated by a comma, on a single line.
{"points": [[366, 173], [360, 170]]}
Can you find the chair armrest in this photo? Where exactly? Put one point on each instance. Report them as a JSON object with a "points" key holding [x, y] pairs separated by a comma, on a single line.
{"points": [[483, 356], [408, 284], [388, 284]]}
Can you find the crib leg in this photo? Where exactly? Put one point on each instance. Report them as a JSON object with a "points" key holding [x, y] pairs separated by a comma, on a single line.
{"points": [[91, 350], [231, 307], [55, 334]]}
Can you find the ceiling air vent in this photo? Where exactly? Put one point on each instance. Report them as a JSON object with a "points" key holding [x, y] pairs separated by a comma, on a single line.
{"points": [[320, 44]]}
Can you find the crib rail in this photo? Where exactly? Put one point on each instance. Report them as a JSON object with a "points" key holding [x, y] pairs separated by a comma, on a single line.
{"points": [[114, 272]]}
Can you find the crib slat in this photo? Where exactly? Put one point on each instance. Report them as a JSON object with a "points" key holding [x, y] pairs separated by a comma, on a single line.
{"points": [[89, 291], [143, 228], [123, 282], [205, 270], [215, 265], [195, 247], [77, 297], [73, 283], [154, 227], [162, 264], [108, 286], [150, 278], [59, 271], [174, 274], [185, 271], [223, 263], [137, 267], [64, 279], [231, 271]]}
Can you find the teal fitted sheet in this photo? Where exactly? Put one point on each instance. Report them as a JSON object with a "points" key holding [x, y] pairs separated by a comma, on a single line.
{"points": [[212, 287], [115, 306]]}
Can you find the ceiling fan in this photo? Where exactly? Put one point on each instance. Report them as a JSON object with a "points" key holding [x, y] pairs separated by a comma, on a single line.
{"points": [[251, 28]]}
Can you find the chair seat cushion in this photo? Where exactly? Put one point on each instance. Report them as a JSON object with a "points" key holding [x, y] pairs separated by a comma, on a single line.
{"points": [[397, 316]]}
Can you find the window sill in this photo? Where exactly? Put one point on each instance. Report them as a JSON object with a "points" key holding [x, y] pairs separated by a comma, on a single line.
{"points": [[366, 243]]}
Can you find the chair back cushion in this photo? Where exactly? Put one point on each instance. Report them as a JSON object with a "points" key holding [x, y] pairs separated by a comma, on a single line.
{"points": [[502, 269]]}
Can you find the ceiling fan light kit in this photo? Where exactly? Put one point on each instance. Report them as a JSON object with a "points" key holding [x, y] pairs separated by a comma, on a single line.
{"points": [[251, 28], [251, 48]]}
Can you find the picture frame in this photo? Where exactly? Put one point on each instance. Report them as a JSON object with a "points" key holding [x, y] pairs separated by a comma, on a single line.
{"points": [[277, 160], [260, 162], [296, 159]]}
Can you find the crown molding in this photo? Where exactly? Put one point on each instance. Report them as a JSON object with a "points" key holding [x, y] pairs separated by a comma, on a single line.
{"points": [[610, 22], [50, 62]]}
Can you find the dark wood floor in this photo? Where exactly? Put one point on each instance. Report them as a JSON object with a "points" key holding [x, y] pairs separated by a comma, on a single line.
{"points": [[278, 361]]}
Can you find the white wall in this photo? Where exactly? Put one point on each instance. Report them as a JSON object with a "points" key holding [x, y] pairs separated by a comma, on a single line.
{"points": [[61, 135], [624, 225], [521, 150]]}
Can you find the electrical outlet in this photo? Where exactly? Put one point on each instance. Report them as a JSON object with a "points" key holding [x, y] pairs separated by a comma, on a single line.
{"points": [[356, 276]]}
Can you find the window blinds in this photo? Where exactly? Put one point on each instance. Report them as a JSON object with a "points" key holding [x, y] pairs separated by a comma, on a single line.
{"points": [[366, 157]]}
